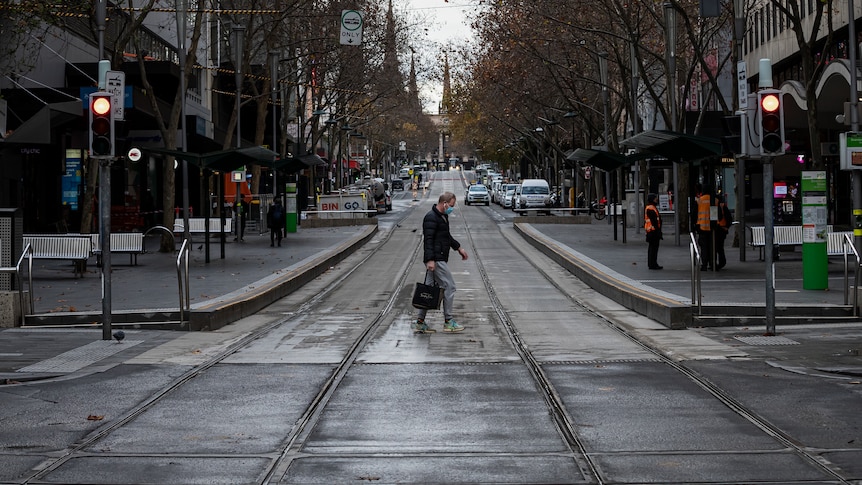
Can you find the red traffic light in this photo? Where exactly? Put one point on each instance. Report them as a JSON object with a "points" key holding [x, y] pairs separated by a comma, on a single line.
{"points": [[771, 117], [770, 103], [101, 105], [101, 131]]}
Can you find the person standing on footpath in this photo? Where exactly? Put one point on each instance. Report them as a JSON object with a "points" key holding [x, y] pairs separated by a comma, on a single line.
{"points": [[242, 214], [725, 220], [652, 226], [275, 222], [437, 242], [704, 226]]}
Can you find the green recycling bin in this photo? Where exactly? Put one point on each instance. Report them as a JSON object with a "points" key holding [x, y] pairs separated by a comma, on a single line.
{"points": [[290, 207]]}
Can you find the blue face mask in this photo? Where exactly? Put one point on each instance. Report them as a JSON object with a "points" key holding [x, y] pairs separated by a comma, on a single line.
{"points": [[449, 210]]}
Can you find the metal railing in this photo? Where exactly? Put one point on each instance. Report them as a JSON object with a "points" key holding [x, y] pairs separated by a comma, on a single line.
{"points": [[694, 253], [183, 280], [848, 243], [16, 271]]}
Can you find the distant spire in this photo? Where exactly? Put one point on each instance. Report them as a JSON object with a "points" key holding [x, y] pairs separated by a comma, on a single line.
{"points": [[447, 86], [390, 46]]}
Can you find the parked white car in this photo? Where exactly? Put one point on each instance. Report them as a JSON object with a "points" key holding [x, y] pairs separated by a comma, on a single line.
{"points": [[535, 193]]}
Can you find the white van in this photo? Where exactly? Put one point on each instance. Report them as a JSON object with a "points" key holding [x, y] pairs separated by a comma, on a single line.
{"points": [[534, 193]]}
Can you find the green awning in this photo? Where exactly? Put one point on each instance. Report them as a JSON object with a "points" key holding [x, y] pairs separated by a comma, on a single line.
{"points": [[677, 147]]}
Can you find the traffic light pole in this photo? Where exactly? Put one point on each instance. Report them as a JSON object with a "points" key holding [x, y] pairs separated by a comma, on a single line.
{"points": [[105, 242], [855, 176], [769, 237]]}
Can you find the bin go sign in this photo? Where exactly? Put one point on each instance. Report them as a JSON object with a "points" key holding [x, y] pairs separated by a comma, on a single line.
{"points": [[351, 27]]}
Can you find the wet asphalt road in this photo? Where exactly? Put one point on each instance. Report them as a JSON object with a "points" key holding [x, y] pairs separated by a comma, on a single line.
{"points": [[440, 408]]}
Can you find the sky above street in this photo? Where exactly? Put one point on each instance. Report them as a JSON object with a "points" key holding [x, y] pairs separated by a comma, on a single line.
{"points": [[446, 24]]}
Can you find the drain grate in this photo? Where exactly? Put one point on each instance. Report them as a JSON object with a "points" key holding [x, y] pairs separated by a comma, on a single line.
{"points": [[766, 340], [77, 359]]}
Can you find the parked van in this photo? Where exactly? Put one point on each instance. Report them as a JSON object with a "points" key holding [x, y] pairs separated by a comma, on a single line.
{"points": [[495, 191], [534, 193]]}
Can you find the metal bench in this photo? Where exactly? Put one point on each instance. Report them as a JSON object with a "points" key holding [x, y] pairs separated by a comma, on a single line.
{"points": [[835, 243], [197, 225], [781, 236], [131, 243], [76, 248]]}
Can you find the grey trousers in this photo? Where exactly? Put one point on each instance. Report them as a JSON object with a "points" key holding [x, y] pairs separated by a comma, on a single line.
{"points": [[443, 277]]}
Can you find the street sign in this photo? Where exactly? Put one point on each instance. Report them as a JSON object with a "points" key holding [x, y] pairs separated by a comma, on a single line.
{"points": [[742, 78], [850, 150], [351, 27], [115, 83], [135, 154]]}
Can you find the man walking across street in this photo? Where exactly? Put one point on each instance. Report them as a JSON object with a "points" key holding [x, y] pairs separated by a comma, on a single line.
{"points": [[437, 242], [652, 226]]}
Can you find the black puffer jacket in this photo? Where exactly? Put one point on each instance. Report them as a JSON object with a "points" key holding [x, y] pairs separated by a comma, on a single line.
{"points": [[436, 237]]}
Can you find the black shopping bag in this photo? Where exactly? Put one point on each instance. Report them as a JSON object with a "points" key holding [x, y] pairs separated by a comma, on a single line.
{"points": [[427, 297]]}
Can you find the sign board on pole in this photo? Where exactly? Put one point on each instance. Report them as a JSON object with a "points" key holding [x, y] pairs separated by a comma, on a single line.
{"points": [[850, 150], [351, 27], [238, 175], [115, 83], [814, 231], [742, 82]]}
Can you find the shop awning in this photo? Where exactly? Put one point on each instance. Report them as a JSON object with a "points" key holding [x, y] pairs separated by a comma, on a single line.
{"points": [[223, 160], [295, 164], [604, 160], [37, 129], [677, 147]]}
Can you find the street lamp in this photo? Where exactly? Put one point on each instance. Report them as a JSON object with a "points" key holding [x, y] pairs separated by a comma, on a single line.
{"points": [[346, 129], [273, 74], [576, 176], [330, 122], [670, 31]]}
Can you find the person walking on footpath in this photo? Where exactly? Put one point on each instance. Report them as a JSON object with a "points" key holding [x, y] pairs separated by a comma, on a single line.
{"points": [[242, 213], [275, 222], [652, 226], [725, 220], [437, 242]]}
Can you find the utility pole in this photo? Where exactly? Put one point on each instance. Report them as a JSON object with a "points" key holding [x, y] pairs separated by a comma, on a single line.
{"points": [[856, 178], [104, 187]]}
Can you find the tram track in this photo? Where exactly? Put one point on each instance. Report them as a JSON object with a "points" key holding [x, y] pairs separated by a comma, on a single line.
{"points": [[313, 409], [558, 408]]}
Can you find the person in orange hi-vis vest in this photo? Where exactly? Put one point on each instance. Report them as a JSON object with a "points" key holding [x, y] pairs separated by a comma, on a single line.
{"points": [[704, 228], [725, 221], [652, 226]]}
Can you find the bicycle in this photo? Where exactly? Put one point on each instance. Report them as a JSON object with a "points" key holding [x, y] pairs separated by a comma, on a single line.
{"points": [[598, 210]]}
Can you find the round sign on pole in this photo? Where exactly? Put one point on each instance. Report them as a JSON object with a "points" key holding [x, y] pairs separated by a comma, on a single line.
{"points": [[134, 154]]}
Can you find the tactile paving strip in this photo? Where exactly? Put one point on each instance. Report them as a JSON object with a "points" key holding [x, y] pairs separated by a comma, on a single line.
{"points": [[766, 340], [77, 359]]}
